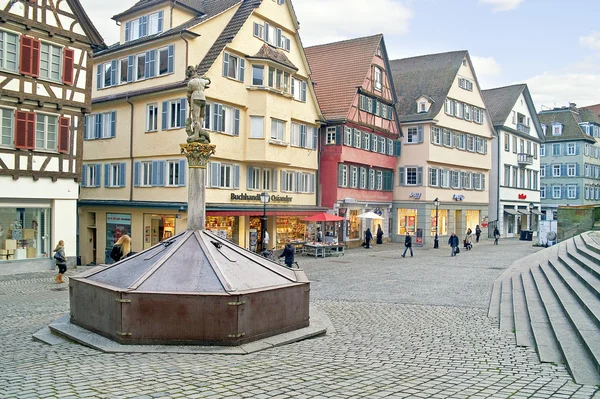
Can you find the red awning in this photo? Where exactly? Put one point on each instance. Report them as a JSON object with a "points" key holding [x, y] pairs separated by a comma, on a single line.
{"points": [[323, 217], [260, 213]]}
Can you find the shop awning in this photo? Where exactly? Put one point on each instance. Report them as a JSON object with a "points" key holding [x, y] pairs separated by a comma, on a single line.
{"points": [[260, 213], [511, 212], [524, 212], [536, 212]]}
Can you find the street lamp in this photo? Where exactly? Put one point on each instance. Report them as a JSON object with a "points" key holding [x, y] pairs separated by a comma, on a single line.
{"points": [[264, 198], [436, 243], [530, 207]]}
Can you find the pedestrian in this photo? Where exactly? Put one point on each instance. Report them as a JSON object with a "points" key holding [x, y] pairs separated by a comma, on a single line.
{"points": [[453, 242], [122, 249], [319, 235], [407, 244], [477, 233], [266, 241], [496, 235], [469, 239], [61, 261], [288, 253], [368, 238], [379, 234]]}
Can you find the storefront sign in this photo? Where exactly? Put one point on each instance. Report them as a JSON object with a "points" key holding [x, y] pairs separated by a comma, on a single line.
{"points": [[378, 211], [118, 218], [458, 197], [415, 195], [522, 196], [256, 197]]}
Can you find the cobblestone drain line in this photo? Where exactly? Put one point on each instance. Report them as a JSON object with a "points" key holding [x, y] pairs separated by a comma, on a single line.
{"points": [[379, 350]]}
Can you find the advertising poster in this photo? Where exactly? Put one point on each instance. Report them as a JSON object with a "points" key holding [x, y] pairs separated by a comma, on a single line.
{"points": [[419, 239], [117, 225]]}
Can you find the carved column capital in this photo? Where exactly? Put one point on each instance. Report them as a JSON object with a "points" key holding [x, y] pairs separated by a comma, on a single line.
{"points": [[197, 154]]}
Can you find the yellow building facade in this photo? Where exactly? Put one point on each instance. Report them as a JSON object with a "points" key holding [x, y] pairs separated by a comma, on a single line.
{"points": [[261, 112]]}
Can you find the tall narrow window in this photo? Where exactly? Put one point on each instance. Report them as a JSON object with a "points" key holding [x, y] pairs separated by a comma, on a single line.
{"points": [[8, 51], [258, 75], [152, 117], [377, 78], [7, 127], [50, 61], [46, 131], [277, 129]]}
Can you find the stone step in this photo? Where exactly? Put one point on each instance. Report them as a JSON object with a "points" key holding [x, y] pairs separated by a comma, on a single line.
{"points": [[591, 244], [545, 341], [585, 326], [494, 307], [523, 333], [581, 269], [507, 322], [593, 258], [576, 357]]}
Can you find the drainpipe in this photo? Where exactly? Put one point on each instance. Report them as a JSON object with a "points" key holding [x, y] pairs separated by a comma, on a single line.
{"points": [[171, 16], [131, 150], [497, 185], [186, 48]]}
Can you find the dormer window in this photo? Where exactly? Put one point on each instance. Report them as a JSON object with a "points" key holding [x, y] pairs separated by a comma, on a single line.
{"points": [[557, 129], [143, 26], [423, 107], [423, 104]]}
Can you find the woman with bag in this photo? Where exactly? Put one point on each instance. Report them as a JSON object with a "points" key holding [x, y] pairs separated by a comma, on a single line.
{"points": [[122, 248], [61, 261]]}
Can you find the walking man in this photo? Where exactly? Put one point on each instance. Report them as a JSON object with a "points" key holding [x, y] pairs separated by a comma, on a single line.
{"points": [[408, 244], [453, 242], [496, 235]]}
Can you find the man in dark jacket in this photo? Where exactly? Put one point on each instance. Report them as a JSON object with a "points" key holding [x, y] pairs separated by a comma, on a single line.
{"points": [[368, 238], [407, 244], [288, 253], [453, 242]]}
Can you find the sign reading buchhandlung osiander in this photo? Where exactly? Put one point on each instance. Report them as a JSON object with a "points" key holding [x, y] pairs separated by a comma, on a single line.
{"points": [[256, 197]]}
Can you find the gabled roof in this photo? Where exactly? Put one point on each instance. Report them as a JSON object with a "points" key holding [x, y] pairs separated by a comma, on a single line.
{"points": [[268, 52], [211, 9], [430, 75], [570, 120], [193, 5], [338, 70], [86, 24], [500, 102], [591, 113]]}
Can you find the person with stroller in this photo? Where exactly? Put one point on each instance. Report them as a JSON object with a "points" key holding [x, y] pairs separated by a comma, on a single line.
{"points": [[453, 242]]}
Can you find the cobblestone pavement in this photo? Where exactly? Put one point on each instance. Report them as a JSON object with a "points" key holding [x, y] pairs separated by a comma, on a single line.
{"points": [[405, 328]]}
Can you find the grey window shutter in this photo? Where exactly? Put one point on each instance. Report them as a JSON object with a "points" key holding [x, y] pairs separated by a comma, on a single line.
{"points": [[155, 181], [236, 127], [315, 137], [96, 182], [577, 149], [284, 186], [161, 173], [242, 70], [160, 21], [150, 69], [113, 73], [420, 176], [249, 171], [215, 172], [340, 175], [127, 31], [577, 192], [86, 121], [278, 38], [113, 124], [182, 112], [165, 115], [130, 67], [401, 176], [312, 183], [577, 170], [182, 172], [122, 174], [236, 176], [482, 182], [297, 176], [338, 135], [106, 175], [225, 64], [84, 176], [420, 133], [136, 174], [98, 126], [99, 76], [274, 175], [171, 58], [266, 32], [207, 116], [563, 170], [429, 170]]}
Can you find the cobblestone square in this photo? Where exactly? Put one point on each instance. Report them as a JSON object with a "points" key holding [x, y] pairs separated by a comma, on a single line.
{"points": [[404, 328]]}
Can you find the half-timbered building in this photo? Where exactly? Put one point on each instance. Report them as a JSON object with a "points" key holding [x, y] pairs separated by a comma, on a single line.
{"points": [[360, 142], [45, 49]]}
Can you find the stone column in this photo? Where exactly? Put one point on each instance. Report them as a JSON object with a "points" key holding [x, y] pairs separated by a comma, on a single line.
{"points": [[197, 155]]}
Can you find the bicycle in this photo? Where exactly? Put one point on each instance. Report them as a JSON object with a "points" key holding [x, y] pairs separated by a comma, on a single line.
{"points": [[270, 255]]}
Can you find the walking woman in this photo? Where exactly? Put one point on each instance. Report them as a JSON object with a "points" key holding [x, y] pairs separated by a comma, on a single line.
{"points": [[368, 238], [122, 248], [477, 233], [61, 261]]}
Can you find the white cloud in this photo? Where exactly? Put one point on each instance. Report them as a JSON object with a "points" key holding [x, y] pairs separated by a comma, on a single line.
{"points": [[502, 5], [592, 41], [487, 70], [557, 89], [325, 21], [101, 12]]}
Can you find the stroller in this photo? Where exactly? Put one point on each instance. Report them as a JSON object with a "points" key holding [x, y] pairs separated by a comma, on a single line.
{"points": [[467, 244]]}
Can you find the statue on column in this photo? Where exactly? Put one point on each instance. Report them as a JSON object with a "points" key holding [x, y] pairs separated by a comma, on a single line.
{"points": [[197, 104]]}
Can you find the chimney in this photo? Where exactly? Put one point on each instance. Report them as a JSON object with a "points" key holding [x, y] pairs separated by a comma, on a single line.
{"points": [[572, 106]]}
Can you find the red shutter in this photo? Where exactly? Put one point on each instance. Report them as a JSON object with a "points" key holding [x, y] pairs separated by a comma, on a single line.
{"points": [[25, 131], [30, 56], [68, 61], [64, 124]]}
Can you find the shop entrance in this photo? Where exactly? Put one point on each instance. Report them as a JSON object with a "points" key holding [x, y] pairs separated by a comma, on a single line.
{"points": [[158, 228], [255, 234], [472, 219]]}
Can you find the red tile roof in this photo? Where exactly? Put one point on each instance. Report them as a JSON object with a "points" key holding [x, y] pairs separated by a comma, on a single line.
{"points": [[338, 69]]}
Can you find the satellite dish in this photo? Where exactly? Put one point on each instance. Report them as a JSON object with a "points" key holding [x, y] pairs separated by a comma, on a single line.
{"points": [[551, 236]]}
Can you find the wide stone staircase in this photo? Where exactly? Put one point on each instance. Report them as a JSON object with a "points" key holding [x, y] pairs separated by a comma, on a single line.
{"points": [[551, 301]]}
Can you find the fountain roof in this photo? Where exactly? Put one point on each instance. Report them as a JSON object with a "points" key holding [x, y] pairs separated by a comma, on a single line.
{"points": [[196, 262]]}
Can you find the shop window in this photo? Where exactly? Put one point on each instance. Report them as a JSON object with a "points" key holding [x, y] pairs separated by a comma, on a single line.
{"points": [[355, 223], [117, 225], [26, 233], [224, 226], [442, 222], [472, 219], [407, 221], [290, 228]]}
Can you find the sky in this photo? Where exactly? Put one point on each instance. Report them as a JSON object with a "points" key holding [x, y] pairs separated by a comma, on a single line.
{"points": [[544, 43]]}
